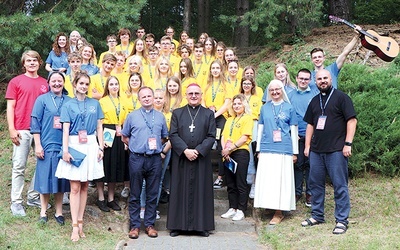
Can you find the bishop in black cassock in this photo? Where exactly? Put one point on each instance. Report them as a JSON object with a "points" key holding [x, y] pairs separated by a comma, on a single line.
{"points": [[192, 135]]}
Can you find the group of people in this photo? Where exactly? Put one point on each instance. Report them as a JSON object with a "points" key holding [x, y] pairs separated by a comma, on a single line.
{"points": [[141, 109]]}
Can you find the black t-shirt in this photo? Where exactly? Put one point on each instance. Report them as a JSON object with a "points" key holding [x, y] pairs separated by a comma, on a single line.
{"points": [[338, 111]]}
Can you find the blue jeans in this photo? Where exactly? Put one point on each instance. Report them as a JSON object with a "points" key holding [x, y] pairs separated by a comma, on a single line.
{"points": [[301, 170], [148, 169], [335, 165]]}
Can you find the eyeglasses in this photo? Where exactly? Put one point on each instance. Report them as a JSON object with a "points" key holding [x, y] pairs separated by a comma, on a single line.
{"points": [[220, 50], [274, 90], [112, 41], [193, 93], [304, 79], [247, 83]]}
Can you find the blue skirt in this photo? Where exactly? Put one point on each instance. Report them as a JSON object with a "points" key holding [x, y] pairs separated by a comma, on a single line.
{"points": [[45, 180]]}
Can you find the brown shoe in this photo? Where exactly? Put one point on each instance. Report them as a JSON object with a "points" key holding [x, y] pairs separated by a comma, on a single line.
{"points": [[151, 232], [278, 217], [308, 200], [134, 233]]}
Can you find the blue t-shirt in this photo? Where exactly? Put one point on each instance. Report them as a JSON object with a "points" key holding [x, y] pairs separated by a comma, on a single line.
{"points": [[277, 117], [90, 69], [300, 100], [82, 115], [46, 107], [57, 62], [333, 69], [141, 125]]}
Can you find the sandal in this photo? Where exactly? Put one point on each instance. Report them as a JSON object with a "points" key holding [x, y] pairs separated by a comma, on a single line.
{"points": [[80, 225], [310, 222], [75, 233], [340, 228], [278, 217]]}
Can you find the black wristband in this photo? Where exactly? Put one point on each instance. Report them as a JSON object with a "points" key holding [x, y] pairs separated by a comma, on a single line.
{"points": [[348, 143]]}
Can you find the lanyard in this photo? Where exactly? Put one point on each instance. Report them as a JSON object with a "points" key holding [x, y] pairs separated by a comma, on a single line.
{"points": [[327, 100], [151, 73], [236, 82], [214, 94], [198, 70], [276, 115], [150, 126], [233, 124], [134, 102], [83, 113], [102, 81], [53, 98], [117, 109]]}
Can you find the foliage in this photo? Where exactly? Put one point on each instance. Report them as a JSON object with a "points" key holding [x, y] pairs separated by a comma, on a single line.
{"points": [[375, 94], [274, 17], [94, 19], [377, 11]]}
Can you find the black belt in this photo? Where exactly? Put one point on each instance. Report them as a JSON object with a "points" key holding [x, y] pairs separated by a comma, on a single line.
{"points": [[146, 155]]}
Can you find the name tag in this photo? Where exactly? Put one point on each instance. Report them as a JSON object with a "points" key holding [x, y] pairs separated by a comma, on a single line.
{"points": [[277, 135], [82, 135], [321, 122], [152, 143], [56, 122]]}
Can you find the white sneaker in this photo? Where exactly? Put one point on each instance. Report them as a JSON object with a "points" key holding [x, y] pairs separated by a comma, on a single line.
{"points": [[238, 216], [252, 191], [17, 209], [65, 199], [142, 214], [158, 217], [229, 214], [125, 192]]}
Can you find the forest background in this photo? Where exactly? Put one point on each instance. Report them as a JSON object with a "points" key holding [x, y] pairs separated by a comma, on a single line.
{"points": [[273, 24]]}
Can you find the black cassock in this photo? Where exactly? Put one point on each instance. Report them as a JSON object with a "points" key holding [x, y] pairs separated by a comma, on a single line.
{"points": [[191, 203]]}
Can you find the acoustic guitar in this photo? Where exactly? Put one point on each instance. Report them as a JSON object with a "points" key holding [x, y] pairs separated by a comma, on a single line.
{"points": [[386, 48]]}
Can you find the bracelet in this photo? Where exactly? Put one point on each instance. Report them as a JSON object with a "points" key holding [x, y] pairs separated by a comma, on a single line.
{"points": [[348, 143], [235, 145], [102, 150], [162, 153]]}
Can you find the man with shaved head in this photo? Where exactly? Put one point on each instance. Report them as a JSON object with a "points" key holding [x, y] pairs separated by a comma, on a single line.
{"points": [[331, 125]]}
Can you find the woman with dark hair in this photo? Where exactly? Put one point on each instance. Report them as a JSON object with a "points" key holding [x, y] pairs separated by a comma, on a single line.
{"points": [[57, 58], [47, 134]]}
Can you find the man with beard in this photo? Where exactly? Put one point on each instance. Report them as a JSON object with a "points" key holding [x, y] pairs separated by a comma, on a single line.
{"points": [[192, 135], [331, 125]]}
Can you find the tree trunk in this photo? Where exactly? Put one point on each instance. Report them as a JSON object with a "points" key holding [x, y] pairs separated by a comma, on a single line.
{"points": [[340, 8], [241, 32], [187, 8], [201, 17], [207, 16]]}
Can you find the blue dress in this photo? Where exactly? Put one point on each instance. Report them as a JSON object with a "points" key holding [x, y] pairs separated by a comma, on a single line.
{"points": [[45, 109]]}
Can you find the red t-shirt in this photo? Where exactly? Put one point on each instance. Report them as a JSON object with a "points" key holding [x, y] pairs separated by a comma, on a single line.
{"points": [[24, 90]]}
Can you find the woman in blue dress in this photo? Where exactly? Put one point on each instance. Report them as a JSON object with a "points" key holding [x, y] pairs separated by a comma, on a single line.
{"points": [[82, 121], [57, 58], [47, 133]]}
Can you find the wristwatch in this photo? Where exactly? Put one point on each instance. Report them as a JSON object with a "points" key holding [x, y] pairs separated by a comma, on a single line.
{"points": [[347, 143]]}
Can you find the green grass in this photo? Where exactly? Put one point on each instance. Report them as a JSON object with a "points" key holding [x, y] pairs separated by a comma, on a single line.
{"points": [[374, 220]]}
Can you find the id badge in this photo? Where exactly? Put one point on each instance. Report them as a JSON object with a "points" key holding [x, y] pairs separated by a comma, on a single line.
{"points": [[321, 122], [56, 122], [82, 134], [118, 130], [277, 135], [152, 143]]}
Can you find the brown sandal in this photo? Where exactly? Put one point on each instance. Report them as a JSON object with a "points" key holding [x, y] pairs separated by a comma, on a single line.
{"points": [[80, 225], [75, 236]]}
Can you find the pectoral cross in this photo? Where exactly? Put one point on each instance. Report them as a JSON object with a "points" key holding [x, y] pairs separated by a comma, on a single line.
{"points": [[192, 127]]}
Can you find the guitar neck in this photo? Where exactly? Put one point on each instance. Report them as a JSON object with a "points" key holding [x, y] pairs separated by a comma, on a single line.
{"points": [[363, 32]]}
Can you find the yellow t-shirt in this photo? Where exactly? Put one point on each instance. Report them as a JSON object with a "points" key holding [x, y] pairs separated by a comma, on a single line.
{"points": [[235, 85], [68, 86], [216, 94], [201, 72], [186, 81], [110, 107], [168, 117], [208, 60], [236, 127], [148, 75], [129, 104], [98, 82], [127, 50], [255, 104]]}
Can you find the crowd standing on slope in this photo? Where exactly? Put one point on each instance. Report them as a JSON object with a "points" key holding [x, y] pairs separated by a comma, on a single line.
{"points": [[148, 114]]}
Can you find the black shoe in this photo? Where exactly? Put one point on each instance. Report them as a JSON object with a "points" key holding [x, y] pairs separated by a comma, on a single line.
{"points": [[43, 219], [102, 206], [174, 233], [113, 205], [60, 219], [204, 233]]}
